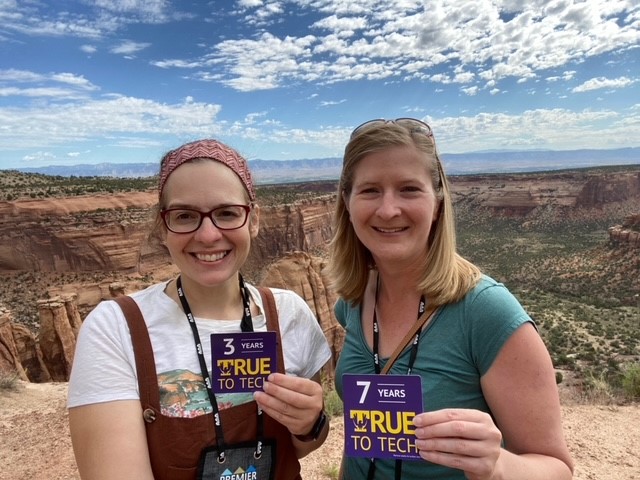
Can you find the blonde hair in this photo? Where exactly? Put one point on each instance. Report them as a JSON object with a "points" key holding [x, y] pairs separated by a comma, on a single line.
{"points": [[447, 276]]}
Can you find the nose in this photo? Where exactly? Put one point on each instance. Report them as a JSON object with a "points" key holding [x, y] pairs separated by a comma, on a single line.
{"points": [[388, 207], [207, 232]]}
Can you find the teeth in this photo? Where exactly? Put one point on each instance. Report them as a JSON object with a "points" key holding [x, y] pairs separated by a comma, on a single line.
{"points": [[209, 257], [389, 230]]}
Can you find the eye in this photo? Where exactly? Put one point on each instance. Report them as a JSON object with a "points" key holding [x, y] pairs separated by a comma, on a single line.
{"points": [[411, 188], [368, 190], [228, 213], [184, 216]]}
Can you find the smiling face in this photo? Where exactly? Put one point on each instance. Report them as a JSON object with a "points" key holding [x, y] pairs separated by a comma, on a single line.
{"points": [[209, 256], [392, 205]]}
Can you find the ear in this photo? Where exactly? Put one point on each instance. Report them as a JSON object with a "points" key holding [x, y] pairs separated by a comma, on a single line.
{"points": [[254, 221], [437, 211], [345, 200]]}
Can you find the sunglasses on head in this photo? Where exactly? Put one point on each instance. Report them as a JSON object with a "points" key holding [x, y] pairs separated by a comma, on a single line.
{"points": [[412, 124]]}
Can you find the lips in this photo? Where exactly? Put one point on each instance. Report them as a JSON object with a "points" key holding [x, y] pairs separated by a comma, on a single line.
{"points": [[389, 230], [210, 257]]}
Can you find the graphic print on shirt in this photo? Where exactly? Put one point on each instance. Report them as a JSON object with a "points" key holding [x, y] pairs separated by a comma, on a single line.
{"points": [[183, 394]]}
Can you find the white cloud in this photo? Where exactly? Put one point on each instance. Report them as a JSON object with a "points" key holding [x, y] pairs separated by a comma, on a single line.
{"points": [[471, 91], [332, 103], [102, 19], [40, 92], [602, 82], [402, 39], [456, 51], [263, 63], [249, 3], [73, 80], [392, 37], [341, 26], [54, 124], [38, 157], [148, 10], [15, 75], [540, 128], [176, 63], [61, 85], [129, 47]]}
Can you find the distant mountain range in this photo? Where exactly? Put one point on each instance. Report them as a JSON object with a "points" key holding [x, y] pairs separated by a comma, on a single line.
{"points": [[281, 171]]}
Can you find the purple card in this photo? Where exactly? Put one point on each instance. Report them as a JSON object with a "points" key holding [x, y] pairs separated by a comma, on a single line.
{"points": [[378, 415], [242, 361]]}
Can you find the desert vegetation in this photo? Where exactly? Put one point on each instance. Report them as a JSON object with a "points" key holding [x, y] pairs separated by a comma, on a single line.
{"points": [[15, 185], [583, 292]]}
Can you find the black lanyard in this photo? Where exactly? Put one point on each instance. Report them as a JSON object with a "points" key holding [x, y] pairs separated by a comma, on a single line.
{"points": [[376, 362], [376, 335], [246, 325]]}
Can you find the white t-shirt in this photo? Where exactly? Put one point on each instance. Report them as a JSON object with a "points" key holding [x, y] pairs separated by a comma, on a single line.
{"points": [[104, 367]]}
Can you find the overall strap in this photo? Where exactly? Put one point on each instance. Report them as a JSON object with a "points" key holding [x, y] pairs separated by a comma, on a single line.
{"points": [[271, 313], [145, 362]]}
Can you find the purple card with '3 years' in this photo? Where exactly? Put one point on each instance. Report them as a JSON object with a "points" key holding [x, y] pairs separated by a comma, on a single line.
{"points": [[378, 415], [241, 362]]}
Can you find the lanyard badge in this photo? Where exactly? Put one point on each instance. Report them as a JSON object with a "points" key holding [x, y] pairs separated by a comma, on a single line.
{"points": [[254, 459]]}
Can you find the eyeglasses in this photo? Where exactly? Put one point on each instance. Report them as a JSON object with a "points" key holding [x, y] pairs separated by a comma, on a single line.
{"points": [[412, 124], [186, 220]]}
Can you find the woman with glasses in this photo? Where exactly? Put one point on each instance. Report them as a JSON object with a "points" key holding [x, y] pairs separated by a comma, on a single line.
{"points": [[142, 399], [411, 304]]}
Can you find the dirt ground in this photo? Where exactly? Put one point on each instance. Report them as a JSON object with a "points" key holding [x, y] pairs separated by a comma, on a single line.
{"points": [[35, 444]]}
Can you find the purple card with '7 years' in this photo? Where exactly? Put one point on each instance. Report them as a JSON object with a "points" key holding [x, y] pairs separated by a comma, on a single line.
{"points": [[241, 362], [378, 415]]}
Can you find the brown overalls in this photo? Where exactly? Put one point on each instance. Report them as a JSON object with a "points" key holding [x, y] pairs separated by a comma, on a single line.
{"points": [[175, 443]]}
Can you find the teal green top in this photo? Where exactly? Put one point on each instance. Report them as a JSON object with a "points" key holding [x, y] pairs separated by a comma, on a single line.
{"points": [[456, 349]]}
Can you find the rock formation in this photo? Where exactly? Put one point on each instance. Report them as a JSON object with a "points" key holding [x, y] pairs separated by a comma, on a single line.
{"points": [[110, 233], [59, 326], [50, 357], [519, 195], [303, 274], [303, 226], [627, 234], [20, 354], [103, 232], [9, 360]]}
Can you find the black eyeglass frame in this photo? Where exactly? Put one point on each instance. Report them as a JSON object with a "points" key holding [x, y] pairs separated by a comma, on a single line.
{"points": [[247, 209], [418, 125]]}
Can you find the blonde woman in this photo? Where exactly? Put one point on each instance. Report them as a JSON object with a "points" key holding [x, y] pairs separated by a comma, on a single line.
{"points": [[491, 406]]}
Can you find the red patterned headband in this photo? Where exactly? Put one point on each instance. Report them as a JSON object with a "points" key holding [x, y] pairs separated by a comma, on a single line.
{"points": [[207, 149]]}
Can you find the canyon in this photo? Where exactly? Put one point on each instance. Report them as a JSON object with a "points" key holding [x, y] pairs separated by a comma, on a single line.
{"points": [[60, 256], [110, 231]]}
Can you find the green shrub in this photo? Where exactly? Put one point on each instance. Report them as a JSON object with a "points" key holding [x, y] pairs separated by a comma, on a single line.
{"points": [[8, 381], [597, 387], [332, 471], [631, 381], [332, 403]]}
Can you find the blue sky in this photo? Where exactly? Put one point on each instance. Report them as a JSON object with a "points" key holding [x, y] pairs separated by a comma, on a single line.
{"points": [[126, 80]]}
